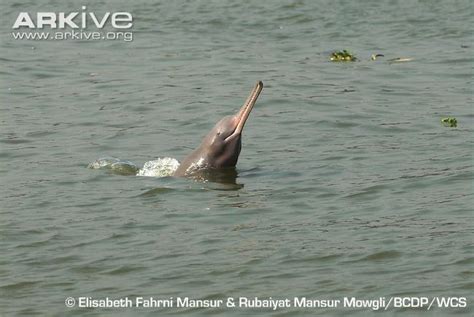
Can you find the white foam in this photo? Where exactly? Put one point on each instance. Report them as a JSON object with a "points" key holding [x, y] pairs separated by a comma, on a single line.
{"points": [[160, 167]]}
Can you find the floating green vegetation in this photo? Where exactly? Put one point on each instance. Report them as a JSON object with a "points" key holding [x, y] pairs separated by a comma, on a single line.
{"points": [[450, 122], [342, 56]]}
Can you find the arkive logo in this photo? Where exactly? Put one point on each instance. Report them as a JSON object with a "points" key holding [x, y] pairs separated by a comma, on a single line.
{"points": [[74, 20], [83, 26]]}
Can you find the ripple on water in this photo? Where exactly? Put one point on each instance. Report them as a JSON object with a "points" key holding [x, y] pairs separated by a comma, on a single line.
{"points": [[115, 166]]}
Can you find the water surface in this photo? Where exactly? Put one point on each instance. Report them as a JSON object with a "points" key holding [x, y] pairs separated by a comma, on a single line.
{"points": [[348, 184]]}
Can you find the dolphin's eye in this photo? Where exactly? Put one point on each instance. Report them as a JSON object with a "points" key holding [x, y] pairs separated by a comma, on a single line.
{"points": [[218, 133]]}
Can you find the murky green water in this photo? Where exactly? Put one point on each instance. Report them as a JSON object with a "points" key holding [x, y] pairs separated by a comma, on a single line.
{"points": [[348, 184]]}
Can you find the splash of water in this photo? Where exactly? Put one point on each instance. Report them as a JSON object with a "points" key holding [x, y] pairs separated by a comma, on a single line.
{"points": [[160, 167], [103, 162], [115, 166]]}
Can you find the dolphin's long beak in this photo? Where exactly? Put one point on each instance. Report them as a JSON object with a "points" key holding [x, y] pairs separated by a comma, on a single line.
{"points": [[244, 112]]}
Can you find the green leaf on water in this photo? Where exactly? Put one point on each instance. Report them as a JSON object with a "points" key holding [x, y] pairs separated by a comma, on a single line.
{"points": [[450, 122]]}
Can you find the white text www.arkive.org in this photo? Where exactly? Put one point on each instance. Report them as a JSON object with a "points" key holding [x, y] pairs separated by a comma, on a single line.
{"points": [[73, 35]]}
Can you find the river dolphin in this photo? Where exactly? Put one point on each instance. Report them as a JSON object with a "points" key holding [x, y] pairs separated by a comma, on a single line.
{"points": [[220, 148]]}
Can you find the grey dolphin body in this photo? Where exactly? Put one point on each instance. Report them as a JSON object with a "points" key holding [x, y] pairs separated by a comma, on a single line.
{"points": [[220, 148]]}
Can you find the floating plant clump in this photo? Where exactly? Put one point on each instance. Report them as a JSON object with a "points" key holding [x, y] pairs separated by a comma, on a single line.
{"points": [[450, 122], [342, 56]]}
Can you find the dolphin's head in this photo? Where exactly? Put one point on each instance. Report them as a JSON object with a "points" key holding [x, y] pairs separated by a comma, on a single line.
{"points": [[224, 141], [221, 146]]}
